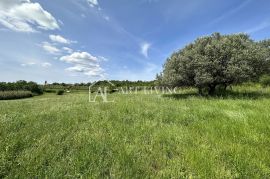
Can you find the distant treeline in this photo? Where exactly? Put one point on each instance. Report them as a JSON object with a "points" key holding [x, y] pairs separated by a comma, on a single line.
{"points": [[38, 89], [21, 86], [114, 83]]}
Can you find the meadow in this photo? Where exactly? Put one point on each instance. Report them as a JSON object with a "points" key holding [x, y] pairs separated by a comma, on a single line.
{"points": [[138, 136]]}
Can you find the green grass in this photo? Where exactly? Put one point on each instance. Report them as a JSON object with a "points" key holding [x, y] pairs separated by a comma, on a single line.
{"points": [[138, 136]]}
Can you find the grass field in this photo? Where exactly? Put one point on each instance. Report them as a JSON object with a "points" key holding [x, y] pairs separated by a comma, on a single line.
{"points": [[138, 136]]}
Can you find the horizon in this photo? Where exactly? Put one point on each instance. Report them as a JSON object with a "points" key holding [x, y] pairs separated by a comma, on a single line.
{"points": [[78, 41]]}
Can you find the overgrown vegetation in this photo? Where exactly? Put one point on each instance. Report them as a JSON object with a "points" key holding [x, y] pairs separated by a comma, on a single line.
{"points": [[60, 92], [21, 86], [138, 136], [265, 80], [217, 61], [85, 86], [5, 95]]}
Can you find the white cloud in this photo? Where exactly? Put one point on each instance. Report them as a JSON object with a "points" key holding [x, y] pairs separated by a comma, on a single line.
{"points": [[68, 50], [101, 58], [25, 16], [79, 58], [60, 39], [96, 71], [93, 3], [145, 48], [50, 48], [46, 64], [85, 63], [28, 64]]}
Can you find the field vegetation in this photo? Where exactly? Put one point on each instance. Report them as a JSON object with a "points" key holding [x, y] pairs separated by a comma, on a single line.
{"points": [[5, 95], [182, 135], [19, 89], [21, 86]]}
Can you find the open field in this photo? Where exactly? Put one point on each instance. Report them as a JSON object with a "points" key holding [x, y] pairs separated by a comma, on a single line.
{"points": [[138, 136]]}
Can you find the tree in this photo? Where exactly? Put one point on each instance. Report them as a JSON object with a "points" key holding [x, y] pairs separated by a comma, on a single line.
{"points": [[158, 80], [216, 60], [21, 86]]}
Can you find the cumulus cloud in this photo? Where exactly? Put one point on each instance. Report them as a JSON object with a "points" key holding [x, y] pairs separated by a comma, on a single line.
{"points": [[85, 63], [60, 39], [50, 48], [25, 16], [145, 48], [79, 58], [89, 71], [93, 3]]}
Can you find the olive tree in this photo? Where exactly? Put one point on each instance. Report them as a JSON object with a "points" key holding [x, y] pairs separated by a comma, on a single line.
{"points": [[216, 60]]}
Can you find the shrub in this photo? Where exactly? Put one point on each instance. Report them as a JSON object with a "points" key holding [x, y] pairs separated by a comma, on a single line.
{"points": [[50, 91], [34, 88], [60, 92], [5, 95], [265, 80], [216, 60], [21, 86]]}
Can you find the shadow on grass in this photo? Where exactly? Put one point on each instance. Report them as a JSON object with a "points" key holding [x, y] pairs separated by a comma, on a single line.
{"points": [[222, 95]]}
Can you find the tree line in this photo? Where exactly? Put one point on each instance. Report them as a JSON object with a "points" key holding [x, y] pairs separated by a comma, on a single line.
{"points": [[102, 83], [21, 86]]}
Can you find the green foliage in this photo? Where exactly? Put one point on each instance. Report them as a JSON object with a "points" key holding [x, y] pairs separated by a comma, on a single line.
{"points": [[265, 43], [6, 95], [85, 86], [216, 60], [60, 92], [265, 80], [158, 81], [50, 90], [21, 86]]}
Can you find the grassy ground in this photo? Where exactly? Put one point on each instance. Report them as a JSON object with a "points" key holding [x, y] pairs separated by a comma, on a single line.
{"points": [[138, 136]]}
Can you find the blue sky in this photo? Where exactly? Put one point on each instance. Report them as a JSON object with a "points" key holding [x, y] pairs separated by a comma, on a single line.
{"points": [[87, 40]]}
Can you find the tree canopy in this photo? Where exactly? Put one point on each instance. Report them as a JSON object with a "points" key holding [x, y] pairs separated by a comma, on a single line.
{"points": [[217, 60]]}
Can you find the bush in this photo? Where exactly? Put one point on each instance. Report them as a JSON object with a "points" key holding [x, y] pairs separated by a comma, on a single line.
{"points": [[5, 95], [50, 91], [21, 86], [60, 92], [34, 88], [216, 60], [265, 80]]}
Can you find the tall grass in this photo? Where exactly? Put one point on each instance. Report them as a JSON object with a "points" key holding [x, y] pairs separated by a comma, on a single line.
{"points": [[5, 95], [138, 136]]}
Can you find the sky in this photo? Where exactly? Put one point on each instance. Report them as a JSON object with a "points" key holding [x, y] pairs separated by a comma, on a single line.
{"points": [[77, 41]]}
